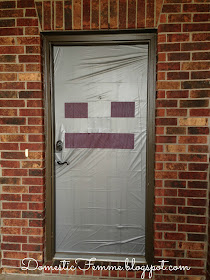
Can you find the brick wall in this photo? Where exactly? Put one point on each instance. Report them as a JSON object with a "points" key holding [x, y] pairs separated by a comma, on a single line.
{"points": [[181, 186]]}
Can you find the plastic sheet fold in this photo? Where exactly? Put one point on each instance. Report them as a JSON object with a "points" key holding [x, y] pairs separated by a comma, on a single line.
{"points": [[100, 116]]}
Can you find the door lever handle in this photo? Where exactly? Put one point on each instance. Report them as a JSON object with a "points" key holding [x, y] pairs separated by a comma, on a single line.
{"points": [[61, 163]]}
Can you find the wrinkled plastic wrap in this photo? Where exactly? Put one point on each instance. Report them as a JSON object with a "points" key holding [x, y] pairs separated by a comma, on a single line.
{"points": [[100, 117]]}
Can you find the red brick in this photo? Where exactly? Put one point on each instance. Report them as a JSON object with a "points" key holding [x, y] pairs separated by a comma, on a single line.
{"points": [[11, 31], [165, 157], [178, 76], [32, 30], [173, 253], [131, 13], [196, 27], [36, 223], [36, 172], [169, 28], [28, 40], [141, 13], [13, 120], [33, 67], [201, 56], [200, 112], [174, 218], [7, 4], [7, 22], [11, 164], [11, 49], [15, 255], [193, 157], [30, 13], [175, 184], [10, 214], [31, 112], [150, 13], [194, 103], [175, 236], [195, 84], [86, 14], [15, 189], [11, 67], [198, 149], [30, 94], [13, 155], [201, 17], [178, 37], [11, 197], [166, 103], [176, 8], [165, 227], [193, 139], [169, 47], [68, 15], [174, 201], [201, 37], [29, 58], [193, 175], [8, 146], [196, 7], [197, 184], [179, 18], [191, 210], [27, 22], [77, 13], [15, 222], [25, 3], [198, 166], [196, 220], [176, 112], [14, 172], [196, 202], [191, 228], [34, 85], [198, 130], [177, 94], [8, 112], [165, 244], [7, 58], [32, 181], [169, 66], [14, 205], [33, 50], [175, 166], [35, 103], [166, 139], [166, 121], [32, 231], [8, 246], [165, 175]]}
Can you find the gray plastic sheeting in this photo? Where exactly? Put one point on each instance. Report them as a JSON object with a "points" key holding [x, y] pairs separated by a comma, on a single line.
{"points": [[100, 194]]}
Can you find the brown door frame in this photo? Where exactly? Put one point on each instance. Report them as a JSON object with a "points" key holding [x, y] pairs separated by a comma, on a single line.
{"points": [[51, 39]]}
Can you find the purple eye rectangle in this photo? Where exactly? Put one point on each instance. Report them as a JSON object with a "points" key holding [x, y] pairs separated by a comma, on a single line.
{"points": [[99, 140], [76, 110], [122, 109]]}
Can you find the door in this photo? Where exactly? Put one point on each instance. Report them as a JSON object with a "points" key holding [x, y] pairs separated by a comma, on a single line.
{"points": [[100, 147]]}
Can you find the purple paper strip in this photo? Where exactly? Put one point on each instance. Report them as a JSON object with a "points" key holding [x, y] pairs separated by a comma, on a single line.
{"points": [[99, 140], [76, 110], [123, 109]]}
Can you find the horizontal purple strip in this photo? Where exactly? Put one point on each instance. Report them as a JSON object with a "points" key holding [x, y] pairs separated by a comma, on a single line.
{"points": [[99, 140], [76, 110], [123, 109]]}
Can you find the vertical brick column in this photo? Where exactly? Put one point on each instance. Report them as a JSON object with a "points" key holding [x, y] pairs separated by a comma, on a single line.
{"points": [[182, 130], [21, 119]]}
